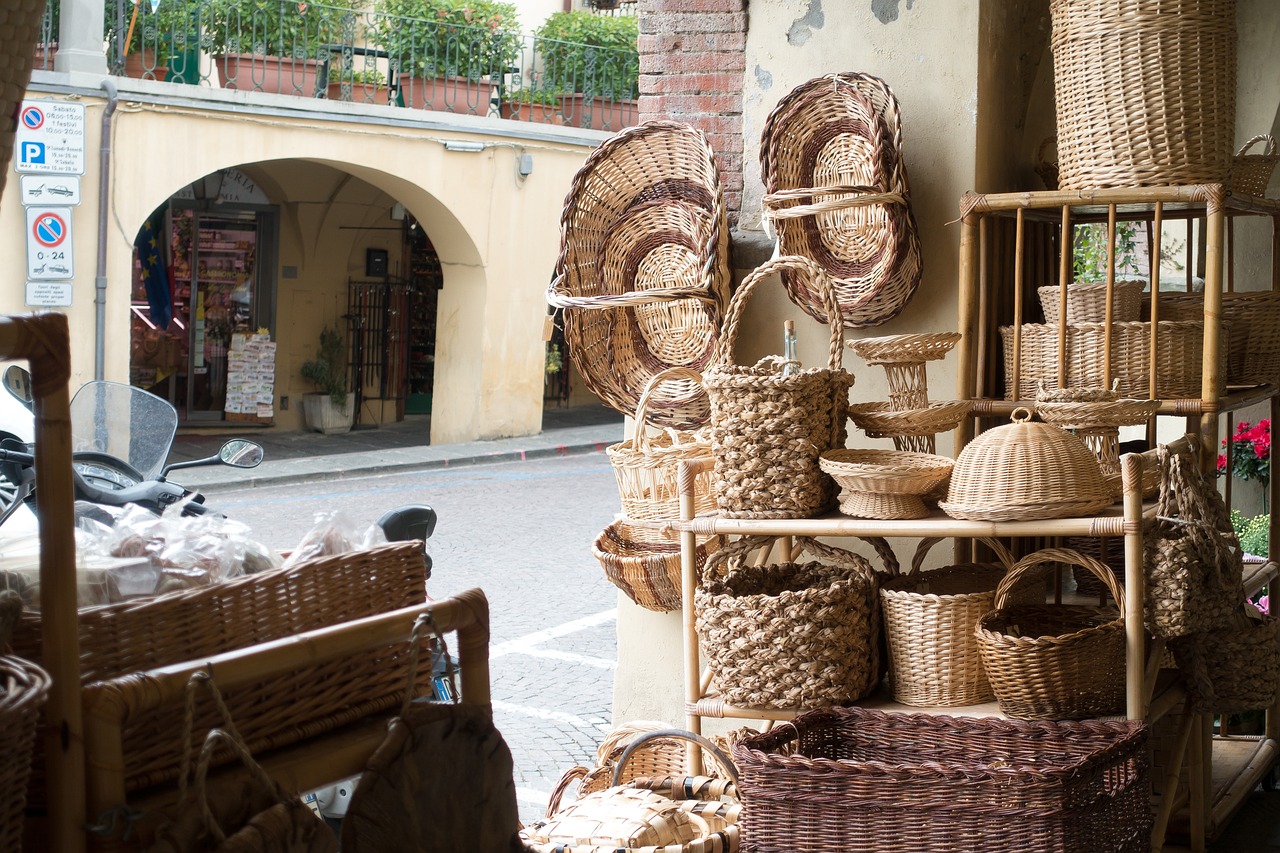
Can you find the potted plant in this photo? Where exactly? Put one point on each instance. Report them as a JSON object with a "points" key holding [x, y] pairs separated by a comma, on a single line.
{"points": [[273, 46], [597, 59], [449, 54], [534, 105], [331, 409], [364, 85]]}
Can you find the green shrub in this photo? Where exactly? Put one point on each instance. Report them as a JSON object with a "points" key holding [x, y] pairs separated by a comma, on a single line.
{"points": [[328, 370], [274, 27], [597, 55], [1254, 533], [475, 39]]}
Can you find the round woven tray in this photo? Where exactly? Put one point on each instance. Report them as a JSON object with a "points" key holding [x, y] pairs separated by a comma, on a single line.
{"points": [[905, 349], [1114, 413], [884, 483], [880, 420]]}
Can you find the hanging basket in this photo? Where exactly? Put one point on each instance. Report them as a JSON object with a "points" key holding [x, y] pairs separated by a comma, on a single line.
{"points": [[1251, 173], [836, 191], [769, 426], [1231, 669], [646, 570]]}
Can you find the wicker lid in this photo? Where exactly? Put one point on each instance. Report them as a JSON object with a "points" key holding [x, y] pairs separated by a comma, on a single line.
{"points": [[1025, 470]]}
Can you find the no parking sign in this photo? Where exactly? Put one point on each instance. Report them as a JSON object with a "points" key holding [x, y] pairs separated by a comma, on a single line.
{"points": [[49, 254]]}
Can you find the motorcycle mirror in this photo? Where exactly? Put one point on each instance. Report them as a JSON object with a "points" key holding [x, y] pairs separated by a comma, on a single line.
{"points": [[17, 381], [241, 453]]}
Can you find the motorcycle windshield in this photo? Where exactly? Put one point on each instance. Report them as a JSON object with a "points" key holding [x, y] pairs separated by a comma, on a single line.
{"points": [[125, 422]]}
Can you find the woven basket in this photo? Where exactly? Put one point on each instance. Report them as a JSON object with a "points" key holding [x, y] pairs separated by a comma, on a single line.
{"points": [[789, 635], [1252, 320], [1046, 168], [1251, 173], [767, 428], [1087, 302], [643, 272], [836, 191], [885, 483], [1178, 358], [1231, 669], [1024, 471], [904, 358], [647, 571], [1098, 425], [117, 640], [912, 430], [929, 619], [1055, 662], [23, 688], [1132, 109], [855, 779]]}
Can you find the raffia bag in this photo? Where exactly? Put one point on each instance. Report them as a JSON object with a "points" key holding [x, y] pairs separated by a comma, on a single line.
{"points": [[789, 634], [1234, 668], [768, 428], [1194, 564]]}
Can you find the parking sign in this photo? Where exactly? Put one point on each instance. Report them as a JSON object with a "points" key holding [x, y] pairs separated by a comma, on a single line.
{"points": [[49, 254], [50, 138]]}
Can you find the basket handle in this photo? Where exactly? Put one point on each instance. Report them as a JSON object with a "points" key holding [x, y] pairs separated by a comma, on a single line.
{"points": [[1058, 555], [211, 743], [570, 776], [1261, 137], [426, 620], [642, 405], [558, 296], [724, 347], [1002, 553], [725, 763], [1043, 149], [839, 556]]}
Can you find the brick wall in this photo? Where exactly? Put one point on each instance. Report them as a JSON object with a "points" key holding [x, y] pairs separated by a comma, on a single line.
{"points": [[692, 59]]}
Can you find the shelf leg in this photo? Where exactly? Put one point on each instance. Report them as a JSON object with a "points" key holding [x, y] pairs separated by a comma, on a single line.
{"points": [[1170, 789], [1198, 780], [688, 585]]}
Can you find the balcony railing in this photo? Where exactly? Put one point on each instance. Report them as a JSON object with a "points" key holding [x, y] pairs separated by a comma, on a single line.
{"points": [[313, 50]]}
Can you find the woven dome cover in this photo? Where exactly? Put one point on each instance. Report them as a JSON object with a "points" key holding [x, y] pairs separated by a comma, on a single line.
{"points": [[836, 187], [19, 29], [1025, 470], [643, 272]]}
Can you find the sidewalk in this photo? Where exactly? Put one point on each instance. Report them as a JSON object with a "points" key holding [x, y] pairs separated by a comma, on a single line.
{"points": [[295, 456]]}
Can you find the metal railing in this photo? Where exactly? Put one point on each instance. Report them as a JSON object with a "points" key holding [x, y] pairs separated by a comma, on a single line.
{"points": [[333, 52]]}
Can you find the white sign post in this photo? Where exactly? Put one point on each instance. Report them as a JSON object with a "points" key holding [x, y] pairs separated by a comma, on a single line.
{"points": [[50, 138], [49, 255]]}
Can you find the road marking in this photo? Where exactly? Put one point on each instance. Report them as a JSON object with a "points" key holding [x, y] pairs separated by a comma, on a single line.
{"points": [[585, 660], [521, 644], [529, 795], [544, 714]]}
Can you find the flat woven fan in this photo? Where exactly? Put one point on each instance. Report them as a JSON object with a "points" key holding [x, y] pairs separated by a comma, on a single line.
{"points": [[643, 273], [836, 191]]}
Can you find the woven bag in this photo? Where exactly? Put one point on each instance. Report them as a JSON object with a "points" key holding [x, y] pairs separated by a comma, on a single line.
{"points": [[1251, 173], [836, 190], [1059, 662], [646, 570], [23, 688], [1231, 669], [1133, 110], [789, 635], [768, 427], [1194, 564]]}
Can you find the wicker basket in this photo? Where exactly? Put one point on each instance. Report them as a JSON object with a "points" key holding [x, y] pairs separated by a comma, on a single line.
{"points": [[643, 272], [23, 688], [929, 619], [1098, 425], [885, 483], [1178, 358], [769, 427], [1231, 669], [119, 639], [1251, 173], [1252, 320], [1024, 471], [647, 466], [789, 635], [1055, 662], [904, 358], [836, 190], [647, 571], [1045, 167], [1087, 302], [1132, 110], [855, 779]]}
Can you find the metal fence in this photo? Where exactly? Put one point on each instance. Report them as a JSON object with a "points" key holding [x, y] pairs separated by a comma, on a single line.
{"points": [[313, 50]]}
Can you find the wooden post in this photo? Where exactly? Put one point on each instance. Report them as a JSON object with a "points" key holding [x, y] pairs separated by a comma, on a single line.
{"points": [[1135, 594], [688, 586], [1211, 380]]}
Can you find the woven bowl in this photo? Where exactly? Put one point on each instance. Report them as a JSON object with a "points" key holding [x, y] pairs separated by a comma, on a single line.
{"points": [[884, 483], [1023, 471], [881, 420]]}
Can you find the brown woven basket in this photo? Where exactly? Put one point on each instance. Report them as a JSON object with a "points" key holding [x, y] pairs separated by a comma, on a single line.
{"points": [[1045, 167], [1252, 320], [1178, 358], [643, 272], [836, 190], [647, 466], [1023, 471], [1251, 173], [23, 688], [789, 635], [1055, 662], [884, 483], [1132, 110], [1231, 669], [904, 358], [768, 428], [1087, 302], [856, 779], [929, 621], [646, 570]]}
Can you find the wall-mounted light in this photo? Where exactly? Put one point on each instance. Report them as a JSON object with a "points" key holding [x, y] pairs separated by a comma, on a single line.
{"points": [[463, 145], [397, 212], [209, 188]]}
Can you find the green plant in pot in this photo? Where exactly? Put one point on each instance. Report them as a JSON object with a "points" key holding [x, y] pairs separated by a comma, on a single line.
{"points": [[473, 39], [331, 409], [278, 46], [596, 55]]}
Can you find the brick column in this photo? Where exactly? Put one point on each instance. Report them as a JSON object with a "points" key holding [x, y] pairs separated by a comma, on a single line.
{"points": [[692, 61]]}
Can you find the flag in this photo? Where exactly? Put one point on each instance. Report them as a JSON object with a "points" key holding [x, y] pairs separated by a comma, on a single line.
{"points": [[149, 249]]}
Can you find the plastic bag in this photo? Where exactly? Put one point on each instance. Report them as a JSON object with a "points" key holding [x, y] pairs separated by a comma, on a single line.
{"points": [[335, 533]]}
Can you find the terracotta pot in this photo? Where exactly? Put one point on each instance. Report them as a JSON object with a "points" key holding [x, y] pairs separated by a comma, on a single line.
{"points": [[446, 94], [272, 74], [535, 113], [360, 93], [142, 65], [44, 54], [598, 113]]}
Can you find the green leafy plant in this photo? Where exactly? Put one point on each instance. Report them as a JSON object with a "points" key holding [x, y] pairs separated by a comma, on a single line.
{"points": [[555, 361], [476, 39], [286, 28], [1089, 250], [328, 370], [543, 97], [597, 55], [1254, 533]]}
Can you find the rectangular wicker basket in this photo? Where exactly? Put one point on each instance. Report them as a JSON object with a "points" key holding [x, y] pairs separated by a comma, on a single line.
{"points": [[1252, 319], [864, 780]]}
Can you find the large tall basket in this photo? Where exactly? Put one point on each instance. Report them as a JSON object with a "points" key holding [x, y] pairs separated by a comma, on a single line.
{"points": [[23, 688]]}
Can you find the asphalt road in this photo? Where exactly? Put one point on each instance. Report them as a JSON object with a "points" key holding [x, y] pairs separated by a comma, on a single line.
{"points": [[522, 532]]}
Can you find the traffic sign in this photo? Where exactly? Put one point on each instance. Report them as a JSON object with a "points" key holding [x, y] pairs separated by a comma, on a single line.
{"points": [[49, 245], [50, 189], [50, 138]]}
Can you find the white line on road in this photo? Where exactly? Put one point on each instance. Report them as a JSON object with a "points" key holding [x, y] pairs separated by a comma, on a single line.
{"points": [[585, 660], [544, 714], [529, 795], [520, 644]]}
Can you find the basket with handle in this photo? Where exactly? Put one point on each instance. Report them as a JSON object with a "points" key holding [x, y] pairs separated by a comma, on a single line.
{"points": [[1233, 668], [769, 423], [1251, 173], [645, 568], [1055, 662], [647, 466], [23, 688]]}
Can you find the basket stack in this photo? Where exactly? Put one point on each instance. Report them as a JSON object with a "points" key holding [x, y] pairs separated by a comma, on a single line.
{"points": [[643, 272], [1252, 323], [1089, 301]]}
